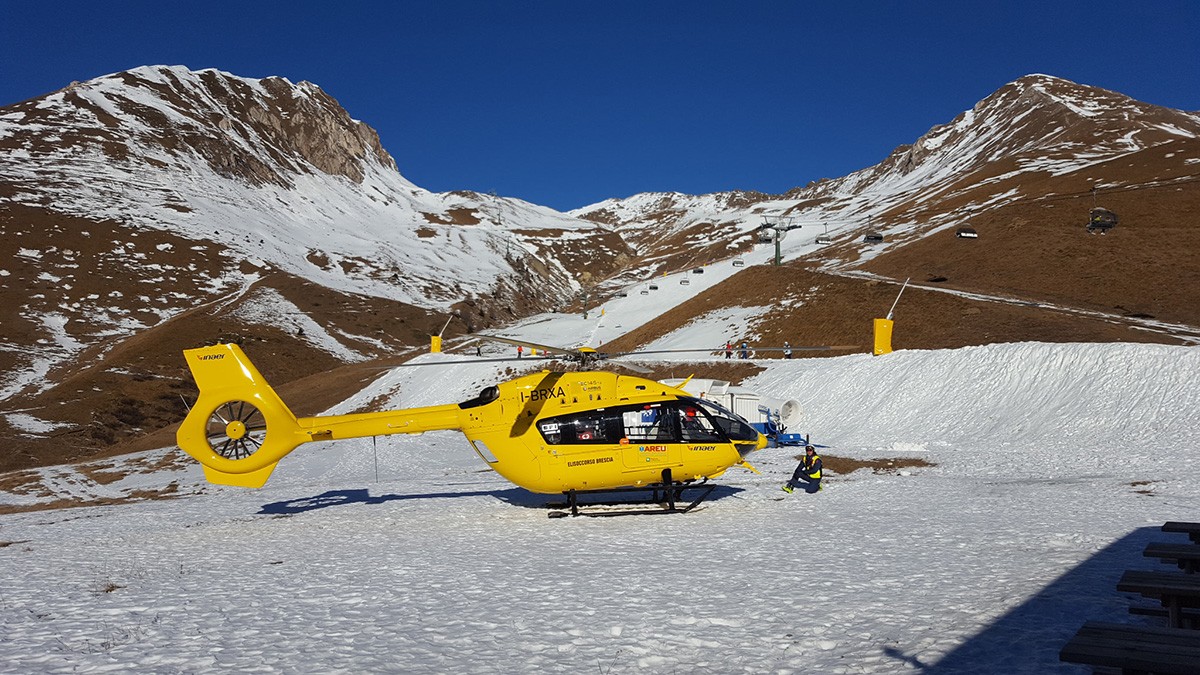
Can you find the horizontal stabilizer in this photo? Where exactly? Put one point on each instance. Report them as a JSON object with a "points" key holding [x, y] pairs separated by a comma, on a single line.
{"points": [[251, 479]]}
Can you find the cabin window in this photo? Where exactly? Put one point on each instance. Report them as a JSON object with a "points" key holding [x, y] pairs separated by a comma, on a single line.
{"points": [[594, 426], [648, 424], [686, 421]]}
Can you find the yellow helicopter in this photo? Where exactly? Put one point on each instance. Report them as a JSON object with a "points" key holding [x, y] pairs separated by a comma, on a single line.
{"points": [[569, 433]]}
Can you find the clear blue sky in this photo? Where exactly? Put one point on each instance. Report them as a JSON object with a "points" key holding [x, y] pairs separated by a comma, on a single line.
{"points": [[565, 103]]}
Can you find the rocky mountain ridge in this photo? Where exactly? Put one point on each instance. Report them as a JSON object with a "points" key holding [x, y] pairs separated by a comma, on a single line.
{"points": [[167, 208], [1036, 126], [267, 178], [1023, 167]]}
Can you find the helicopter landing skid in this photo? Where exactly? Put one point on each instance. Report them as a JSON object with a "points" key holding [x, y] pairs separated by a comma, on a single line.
{"points": [[667, 494]]}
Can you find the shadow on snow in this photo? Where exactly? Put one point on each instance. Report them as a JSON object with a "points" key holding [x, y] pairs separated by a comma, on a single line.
{"points": [[512, 496], [1029, 638]]}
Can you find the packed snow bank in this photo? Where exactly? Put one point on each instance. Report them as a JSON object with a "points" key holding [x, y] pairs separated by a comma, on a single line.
{"points": [[1029, 393]]}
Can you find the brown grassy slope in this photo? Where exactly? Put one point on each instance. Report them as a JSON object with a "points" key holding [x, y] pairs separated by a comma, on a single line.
{"points": [[839, 311], [1039, 249], [130, 396]]}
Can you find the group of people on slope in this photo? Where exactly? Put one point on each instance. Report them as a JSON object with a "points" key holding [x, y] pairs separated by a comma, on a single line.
{"points": [[744, 350]]}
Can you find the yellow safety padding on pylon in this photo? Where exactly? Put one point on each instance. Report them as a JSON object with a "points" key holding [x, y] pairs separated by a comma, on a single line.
{"points": [[435, 344], [883, 336]]}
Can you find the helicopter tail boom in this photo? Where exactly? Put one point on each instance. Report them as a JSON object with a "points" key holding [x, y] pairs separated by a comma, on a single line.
{"points": [[240, 428]]}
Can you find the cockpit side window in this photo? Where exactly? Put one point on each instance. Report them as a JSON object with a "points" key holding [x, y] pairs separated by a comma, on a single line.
{"points": [[696, 426]]}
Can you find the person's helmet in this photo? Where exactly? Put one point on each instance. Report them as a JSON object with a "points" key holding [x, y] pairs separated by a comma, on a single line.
{"points": [[809, 448]]}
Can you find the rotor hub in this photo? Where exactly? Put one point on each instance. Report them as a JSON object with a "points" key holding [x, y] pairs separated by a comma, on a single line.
{"points": [[235, 429]]}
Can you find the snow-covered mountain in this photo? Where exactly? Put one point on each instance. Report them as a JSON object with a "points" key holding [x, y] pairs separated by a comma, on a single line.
{"points": [[261, 176], [159, 208], [1023, 168], [276, 174], [181, 206], [1039, 137]]}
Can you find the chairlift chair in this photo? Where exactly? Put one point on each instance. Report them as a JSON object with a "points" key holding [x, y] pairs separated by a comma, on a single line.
{"points": [[1101, 220]]}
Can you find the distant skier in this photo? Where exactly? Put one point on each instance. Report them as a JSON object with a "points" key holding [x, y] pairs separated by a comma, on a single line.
{"points": [[729, 350], [520, 351], [808, 473], [745, 354], [787, 350]]}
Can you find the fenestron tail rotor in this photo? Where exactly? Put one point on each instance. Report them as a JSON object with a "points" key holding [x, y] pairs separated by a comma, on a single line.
{"points": [[236, 429]]}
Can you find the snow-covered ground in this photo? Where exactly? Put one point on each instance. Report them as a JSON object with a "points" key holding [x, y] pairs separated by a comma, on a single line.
{"points": [[1053, 466]]}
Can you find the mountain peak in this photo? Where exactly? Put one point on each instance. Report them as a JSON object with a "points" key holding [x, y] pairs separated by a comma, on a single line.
{"points": [[261, 131]]}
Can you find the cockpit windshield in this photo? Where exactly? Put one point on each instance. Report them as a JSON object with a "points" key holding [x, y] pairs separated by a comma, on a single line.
{"points": [[730, 423]]}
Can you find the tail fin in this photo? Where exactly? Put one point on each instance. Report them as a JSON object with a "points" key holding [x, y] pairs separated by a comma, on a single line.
{"points": [[239, 428]]}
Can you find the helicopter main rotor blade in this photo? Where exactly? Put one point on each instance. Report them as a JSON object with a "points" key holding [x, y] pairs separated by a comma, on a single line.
{"points": [[567, 351], [637, 352], [460, 362], [718, 350], [630, 366], [822, 348]]}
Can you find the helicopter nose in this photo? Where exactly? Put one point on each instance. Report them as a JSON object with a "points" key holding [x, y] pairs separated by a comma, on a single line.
{"points": [[744, 448]]}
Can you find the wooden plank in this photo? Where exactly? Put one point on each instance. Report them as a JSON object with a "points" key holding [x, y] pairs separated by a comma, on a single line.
{"points": [[1108, 630], [1190, 529], [1115, 645], [1175, 591], [1186, 556], [1160, 583], [1189, 617], [1163, 550]]}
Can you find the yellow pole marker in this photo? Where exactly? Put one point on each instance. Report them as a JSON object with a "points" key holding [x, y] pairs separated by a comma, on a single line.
{"points": [[883, 327], [883, 336]]}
